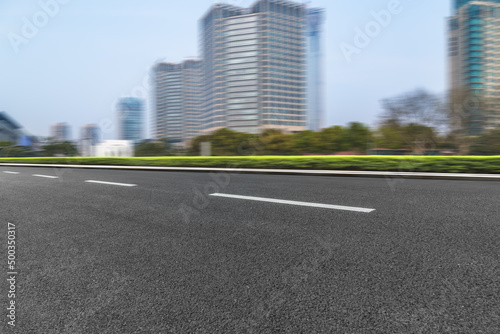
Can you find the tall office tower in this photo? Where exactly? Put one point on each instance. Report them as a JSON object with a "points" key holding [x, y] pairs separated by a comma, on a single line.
{"points": [[130, 119], [89, 133], [255, 67], [474, 60], [316, 112], [177, 90], [89, 137], [60, 132]]}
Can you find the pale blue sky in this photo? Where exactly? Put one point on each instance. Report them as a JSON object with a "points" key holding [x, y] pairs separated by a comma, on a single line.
{"points": [[92, 52]]}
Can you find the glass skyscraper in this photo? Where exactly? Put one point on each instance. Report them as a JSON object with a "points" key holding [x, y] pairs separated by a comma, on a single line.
{"points": [[255, 67], [316, 117], [130, 119], [89, 137], [9, 129], [60, 132], [474, 58], [89, 133], [177, 90]]}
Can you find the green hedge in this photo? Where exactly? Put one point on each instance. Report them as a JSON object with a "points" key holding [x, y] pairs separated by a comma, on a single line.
{"points": [[355, 163]]}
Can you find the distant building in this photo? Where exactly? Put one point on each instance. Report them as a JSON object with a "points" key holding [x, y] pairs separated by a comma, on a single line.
{"points": [[474, 59], [114, 148], [27, 140], [255, 67], [60, 132], [10, 130], [89, 137], [130, 119], [177, 105], [90, 133], [316, 113]]}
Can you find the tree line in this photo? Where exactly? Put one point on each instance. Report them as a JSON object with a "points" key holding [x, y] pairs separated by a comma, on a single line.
{"points": [[415, 122]]}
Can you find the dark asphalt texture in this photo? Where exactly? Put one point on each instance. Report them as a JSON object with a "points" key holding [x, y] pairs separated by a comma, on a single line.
{"points": [[163, 257]]}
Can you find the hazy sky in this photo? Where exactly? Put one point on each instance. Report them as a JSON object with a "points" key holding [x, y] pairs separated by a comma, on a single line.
{"points": [[88, 53]]}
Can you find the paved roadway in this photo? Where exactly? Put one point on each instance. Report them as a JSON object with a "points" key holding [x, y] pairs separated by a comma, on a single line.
{"points": [[155, 252]]}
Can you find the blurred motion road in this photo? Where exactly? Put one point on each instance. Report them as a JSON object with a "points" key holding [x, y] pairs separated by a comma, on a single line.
{"points": [[105, 251]]}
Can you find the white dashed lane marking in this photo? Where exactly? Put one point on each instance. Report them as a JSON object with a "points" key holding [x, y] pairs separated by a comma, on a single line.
{"points": [[112, 183]]}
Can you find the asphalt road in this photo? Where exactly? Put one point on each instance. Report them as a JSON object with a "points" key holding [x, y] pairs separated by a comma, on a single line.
{"points": [[157, 253]]}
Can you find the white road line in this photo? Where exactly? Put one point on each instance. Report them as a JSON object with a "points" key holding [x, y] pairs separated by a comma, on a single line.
{"points": [[112, 183], [46, 176], [279, 201], [7, 172]]}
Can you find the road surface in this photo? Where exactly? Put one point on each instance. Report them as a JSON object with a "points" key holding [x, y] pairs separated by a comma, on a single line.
{"points": [[106, 251]]}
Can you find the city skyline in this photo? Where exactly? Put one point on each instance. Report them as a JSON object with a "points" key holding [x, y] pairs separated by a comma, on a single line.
{"points": [[100, 79]]}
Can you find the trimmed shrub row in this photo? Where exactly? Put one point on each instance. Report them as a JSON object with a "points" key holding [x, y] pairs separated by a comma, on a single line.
{"points": [[355, 163]]}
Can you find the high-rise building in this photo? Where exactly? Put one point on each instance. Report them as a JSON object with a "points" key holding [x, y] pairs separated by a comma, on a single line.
{"points": [[89, 137], [60, 132], [130, 119], [89, 133], [9, 129], [177, 105], [316, 113], [255, 67], [474, 59]]}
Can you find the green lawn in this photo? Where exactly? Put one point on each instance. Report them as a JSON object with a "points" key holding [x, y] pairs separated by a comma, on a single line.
{"points": [[356, 163]]}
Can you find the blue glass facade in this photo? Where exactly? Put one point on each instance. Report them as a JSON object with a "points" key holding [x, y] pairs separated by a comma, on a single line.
{"points": [[474, 36], [316, 117], [130, 119], [457, 4], [9, 129]]}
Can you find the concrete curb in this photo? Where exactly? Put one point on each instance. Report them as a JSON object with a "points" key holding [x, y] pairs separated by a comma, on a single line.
{"points": [[408, 175]]}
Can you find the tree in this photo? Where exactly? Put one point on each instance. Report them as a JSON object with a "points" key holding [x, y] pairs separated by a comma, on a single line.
{"points": [[391, 135], [5, 144], [225, 142], [334, 139], [195, 146], [274, 142], [66, 149], [306, 142], [419, 137], [412, 120], [415, 107], [487, 144], [413, 136], [358, 136], [148, 148]]}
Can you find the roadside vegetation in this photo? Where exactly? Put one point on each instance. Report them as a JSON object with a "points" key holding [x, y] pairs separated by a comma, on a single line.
{"points": [[355, 163], [415, 123]]}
